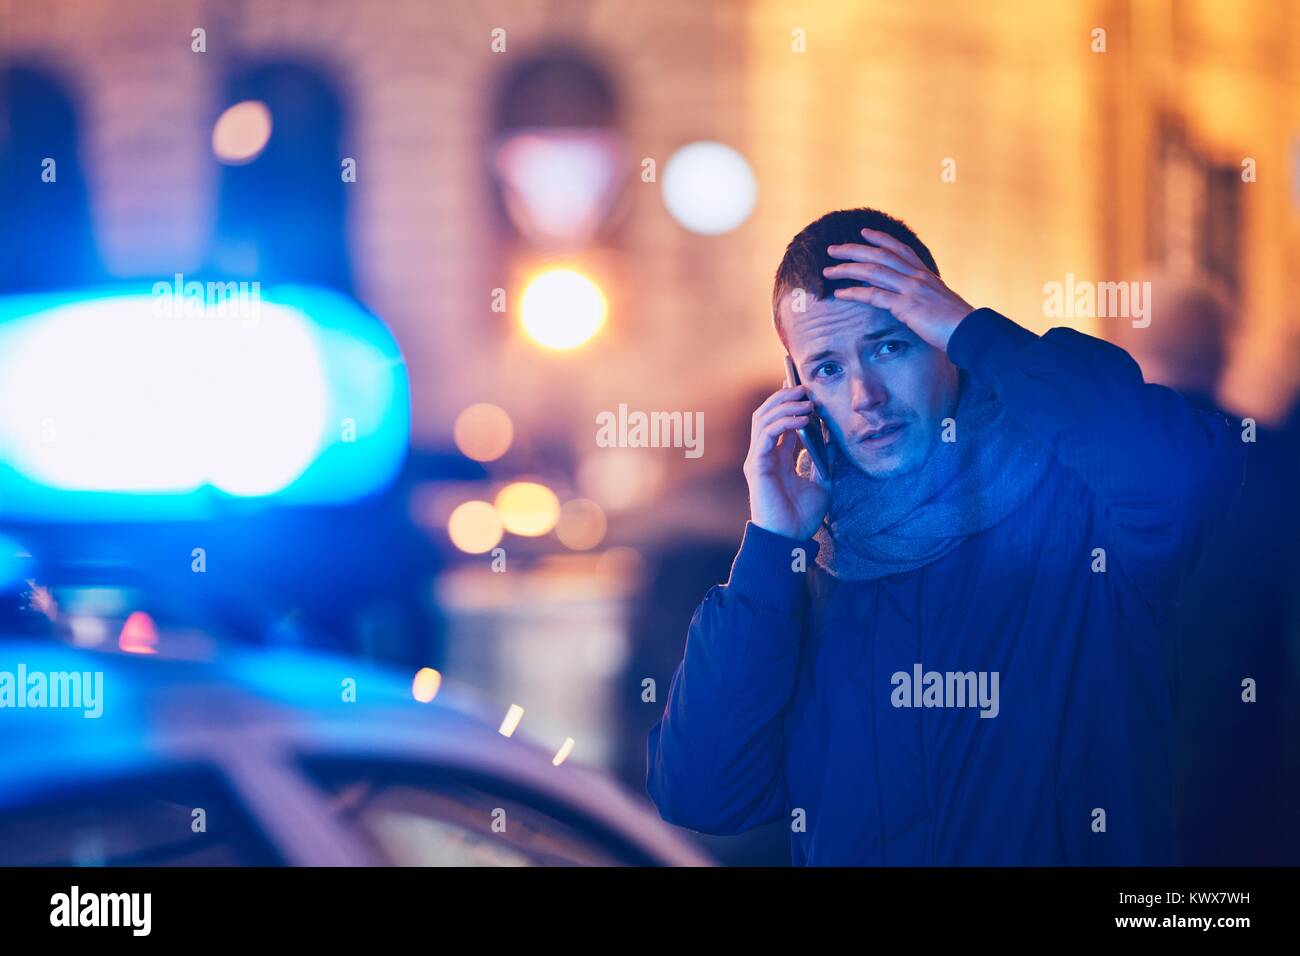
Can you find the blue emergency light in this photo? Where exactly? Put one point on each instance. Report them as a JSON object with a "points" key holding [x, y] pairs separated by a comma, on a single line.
{"points": [[169, 401]]}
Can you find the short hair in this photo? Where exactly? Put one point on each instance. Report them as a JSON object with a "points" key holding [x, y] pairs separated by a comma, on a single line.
{"points": [[806, 256]]}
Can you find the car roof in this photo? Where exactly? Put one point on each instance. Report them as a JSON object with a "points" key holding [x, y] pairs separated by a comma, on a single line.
{"points": [[150, 699], [159, 712]]}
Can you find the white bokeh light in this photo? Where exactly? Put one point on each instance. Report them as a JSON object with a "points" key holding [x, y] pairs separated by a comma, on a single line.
{"points": [[709, 187], [147, 403]]}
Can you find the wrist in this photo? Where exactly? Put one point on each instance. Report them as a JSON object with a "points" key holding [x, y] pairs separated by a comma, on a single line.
{"points": [[783, 526], [769, 568], [952, 323]]}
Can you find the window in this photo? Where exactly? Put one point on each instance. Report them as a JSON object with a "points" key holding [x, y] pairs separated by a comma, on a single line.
{"points": [[412, 815], [148, 821]]}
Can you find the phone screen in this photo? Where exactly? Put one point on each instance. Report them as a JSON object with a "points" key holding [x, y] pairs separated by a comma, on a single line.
{"points": [[811, 434]]}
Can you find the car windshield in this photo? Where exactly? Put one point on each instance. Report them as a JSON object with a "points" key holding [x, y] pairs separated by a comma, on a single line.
{"points": [[186, 818], [418, 816]]}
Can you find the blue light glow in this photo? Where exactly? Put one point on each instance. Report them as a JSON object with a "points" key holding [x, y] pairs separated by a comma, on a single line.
{"points": [[127, 404]]}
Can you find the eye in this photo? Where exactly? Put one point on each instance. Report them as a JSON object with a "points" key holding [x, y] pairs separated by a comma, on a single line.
{"points": [[826, 370], [894, 347]]}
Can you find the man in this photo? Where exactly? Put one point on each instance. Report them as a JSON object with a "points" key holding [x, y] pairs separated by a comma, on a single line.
{"points": [[969, 672]]}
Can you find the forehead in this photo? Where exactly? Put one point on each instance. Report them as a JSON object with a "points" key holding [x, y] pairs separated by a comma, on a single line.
{"points": [[830, 323]]}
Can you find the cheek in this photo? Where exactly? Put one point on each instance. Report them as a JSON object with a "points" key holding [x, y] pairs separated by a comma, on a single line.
{"points": [[929, 388], [834, 408], [909, 388]]}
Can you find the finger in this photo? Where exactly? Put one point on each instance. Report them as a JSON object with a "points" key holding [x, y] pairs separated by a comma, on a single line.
{"points": [[779, 423], [786, 449], [774, 430], [778, 427], [765, 415], [789, 393], [880, 298], [878, 238], [877, 275], [855, 252], [785, 410]]}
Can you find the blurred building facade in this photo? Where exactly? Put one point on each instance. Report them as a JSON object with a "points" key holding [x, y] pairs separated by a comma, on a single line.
{"points": [[1057, 151]]}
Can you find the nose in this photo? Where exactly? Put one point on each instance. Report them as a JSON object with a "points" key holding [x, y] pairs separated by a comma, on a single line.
{"points": [[868, 392]]}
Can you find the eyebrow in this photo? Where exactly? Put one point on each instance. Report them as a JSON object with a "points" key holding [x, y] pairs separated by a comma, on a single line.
{"points": [[867, 337]]}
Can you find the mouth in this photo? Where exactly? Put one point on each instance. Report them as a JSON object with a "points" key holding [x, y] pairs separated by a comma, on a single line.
{"points": [[882, 436]]}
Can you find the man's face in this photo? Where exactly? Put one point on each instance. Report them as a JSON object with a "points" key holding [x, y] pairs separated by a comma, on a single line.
{"points": [[868, 372]]}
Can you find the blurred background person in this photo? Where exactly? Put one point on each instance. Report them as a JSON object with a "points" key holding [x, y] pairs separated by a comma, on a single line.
{"points": [[1238, 762]]}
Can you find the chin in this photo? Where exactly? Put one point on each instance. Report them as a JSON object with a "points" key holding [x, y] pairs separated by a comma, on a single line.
{"points": [[881, 467], [884, 474]]}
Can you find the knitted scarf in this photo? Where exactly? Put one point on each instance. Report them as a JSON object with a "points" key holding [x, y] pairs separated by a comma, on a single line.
{"points": [[877, 527]]}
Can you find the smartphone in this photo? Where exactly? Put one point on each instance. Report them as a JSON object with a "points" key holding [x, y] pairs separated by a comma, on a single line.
{"points": [[813, 437]]}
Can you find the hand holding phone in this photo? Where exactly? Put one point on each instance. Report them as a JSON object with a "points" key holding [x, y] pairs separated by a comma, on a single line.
{"points": [[780, 499]]}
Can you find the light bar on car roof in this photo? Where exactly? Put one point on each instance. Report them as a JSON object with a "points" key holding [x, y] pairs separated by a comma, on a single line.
{"points": [[137, 403]]}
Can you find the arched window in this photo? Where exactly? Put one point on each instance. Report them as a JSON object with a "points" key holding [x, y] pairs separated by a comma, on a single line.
{"points": [[282, 213], [47, 241], [557, 153]]}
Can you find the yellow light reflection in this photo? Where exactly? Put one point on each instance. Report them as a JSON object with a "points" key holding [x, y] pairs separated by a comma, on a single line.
{"points": [[562, 308], [241, 133], [527, 508], [474, 527], [562, 754], [483, 432], [425, 686], [511, 721]]}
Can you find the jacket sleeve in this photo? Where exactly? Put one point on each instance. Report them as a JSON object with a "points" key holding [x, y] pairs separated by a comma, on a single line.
{"points": [[716, 756], [1164, 471]]}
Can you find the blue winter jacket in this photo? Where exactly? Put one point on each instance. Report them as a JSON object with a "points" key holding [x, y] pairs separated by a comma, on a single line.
{"points": [[864, 714]]}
